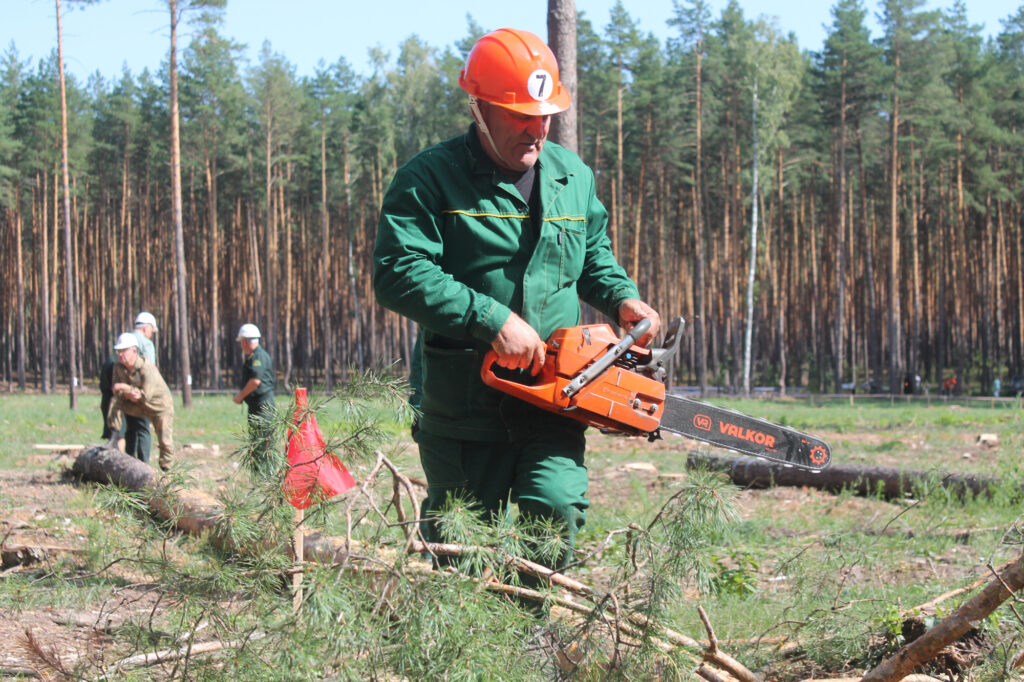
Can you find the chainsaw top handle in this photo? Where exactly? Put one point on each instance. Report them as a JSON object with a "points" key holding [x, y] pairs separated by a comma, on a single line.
{"points": [[608, 359]]}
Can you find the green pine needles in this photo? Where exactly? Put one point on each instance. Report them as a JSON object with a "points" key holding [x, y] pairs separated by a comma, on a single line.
{"points": [[386, 604]]}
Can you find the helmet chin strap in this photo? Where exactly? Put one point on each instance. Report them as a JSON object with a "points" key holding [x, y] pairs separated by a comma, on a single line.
{"points": [[474, 108]]}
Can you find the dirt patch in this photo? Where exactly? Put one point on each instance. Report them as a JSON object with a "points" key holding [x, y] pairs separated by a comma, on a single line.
{"points": [[42, 534]]}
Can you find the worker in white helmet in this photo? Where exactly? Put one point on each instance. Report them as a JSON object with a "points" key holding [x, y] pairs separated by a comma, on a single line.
{"points": [[257, 389], [145, 328], [137, 440]]}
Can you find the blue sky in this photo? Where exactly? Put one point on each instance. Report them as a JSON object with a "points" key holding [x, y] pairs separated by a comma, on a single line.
{"points": [[112, 34]]}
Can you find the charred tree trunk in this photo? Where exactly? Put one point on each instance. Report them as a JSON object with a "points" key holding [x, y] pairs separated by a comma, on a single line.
{"points": [[886, 482]]}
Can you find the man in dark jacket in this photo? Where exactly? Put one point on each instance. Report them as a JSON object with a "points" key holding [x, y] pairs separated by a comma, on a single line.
{"points": [[107, 395], [257, 388]]}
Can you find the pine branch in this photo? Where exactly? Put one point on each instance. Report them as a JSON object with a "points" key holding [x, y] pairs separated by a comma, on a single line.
{"points": [[638, 623]]}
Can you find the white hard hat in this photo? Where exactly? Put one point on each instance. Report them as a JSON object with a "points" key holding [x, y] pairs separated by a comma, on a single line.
{"points": [[126, 340], [146, 318], [248, 331]]}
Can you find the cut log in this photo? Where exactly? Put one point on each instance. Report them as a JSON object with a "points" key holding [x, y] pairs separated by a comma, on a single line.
{"points": [[26, 555], [886, 482], [192, 511]]}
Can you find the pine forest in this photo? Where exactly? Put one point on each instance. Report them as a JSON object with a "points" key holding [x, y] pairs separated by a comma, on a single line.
{"points": [[880, 181]]}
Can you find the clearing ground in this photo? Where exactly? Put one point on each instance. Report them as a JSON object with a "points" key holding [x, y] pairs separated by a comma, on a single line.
{"points": [[46, 520]]}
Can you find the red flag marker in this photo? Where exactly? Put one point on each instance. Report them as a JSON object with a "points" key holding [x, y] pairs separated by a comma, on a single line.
{"points": [[314, 474]]}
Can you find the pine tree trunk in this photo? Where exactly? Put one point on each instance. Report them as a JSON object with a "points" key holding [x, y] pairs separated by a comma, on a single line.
{"points": [[867, 236], [752, 263], [269, 240], [840, 227], [778, 295], [179, 234], [45, 326], [700, 310], [214, 274], [20, 287], [69, 271], [289, 286], [895, 341], [324, 290], [618, 196], [562, 40]]}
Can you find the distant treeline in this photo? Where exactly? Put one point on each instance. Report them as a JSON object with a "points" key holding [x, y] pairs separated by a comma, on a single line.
{"points": [[889, 173]]}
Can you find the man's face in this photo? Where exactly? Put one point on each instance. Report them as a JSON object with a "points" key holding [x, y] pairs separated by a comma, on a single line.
{"points": [[128, 356], [518, 137], [246, 345], [146, 329]]}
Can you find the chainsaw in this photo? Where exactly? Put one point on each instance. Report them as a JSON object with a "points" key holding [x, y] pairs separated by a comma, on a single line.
{"points": [[613, 384]]}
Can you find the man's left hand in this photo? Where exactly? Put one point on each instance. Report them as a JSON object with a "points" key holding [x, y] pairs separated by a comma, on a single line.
{"points": [[631, 311]]}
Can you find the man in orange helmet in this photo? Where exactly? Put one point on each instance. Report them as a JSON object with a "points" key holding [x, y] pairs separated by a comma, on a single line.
{"points": [[488, 241]]}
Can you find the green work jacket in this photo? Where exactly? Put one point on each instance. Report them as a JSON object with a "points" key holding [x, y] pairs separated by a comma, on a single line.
{"points": [[258, 365], [457, 251]]}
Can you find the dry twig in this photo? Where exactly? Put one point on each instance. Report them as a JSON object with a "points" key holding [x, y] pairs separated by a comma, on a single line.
{"points": [[167, 655]]}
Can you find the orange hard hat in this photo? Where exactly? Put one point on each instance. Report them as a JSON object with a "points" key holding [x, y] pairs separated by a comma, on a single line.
{"points": [[515, 70]]}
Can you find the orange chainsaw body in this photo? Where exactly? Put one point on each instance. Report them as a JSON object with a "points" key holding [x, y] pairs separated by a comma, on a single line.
{"points": [[618, 399]]}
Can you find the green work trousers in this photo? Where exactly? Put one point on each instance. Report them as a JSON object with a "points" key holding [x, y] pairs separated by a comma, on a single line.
{"points": [[138, 441], [261, 433], [539, 467]]}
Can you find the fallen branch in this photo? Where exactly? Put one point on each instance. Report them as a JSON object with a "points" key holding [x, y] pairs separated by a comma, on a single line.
{"points": [[99, 622], [192, 511], [908, 678], [48, 656], [710, 652], [930, 605], [714, 655], [952, 628]]}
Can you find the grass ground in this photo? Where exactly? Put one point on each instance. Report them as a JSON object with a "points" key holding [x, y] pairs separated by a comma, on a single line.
{"points": [[835, 574]]}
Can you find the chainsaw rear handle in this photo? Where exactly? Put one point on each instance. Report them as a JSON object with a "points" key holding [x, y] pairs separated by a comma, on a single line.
{"points": [[540, 392], [608, 359]]}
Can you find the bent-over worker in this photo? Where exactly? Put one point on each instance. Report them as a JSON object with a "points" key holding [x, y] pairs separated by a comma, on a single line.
{"points": [[140, 391]]}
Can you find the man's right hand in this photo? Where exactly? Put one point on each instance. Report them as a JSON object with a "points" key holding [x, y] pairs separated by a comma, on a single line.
{"points": [[518, 346]]}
